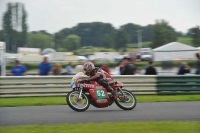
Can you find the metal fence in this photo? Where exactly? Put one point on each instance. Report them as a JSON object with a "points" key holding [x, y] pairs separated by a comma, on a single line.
{"points": [[27, 86]]}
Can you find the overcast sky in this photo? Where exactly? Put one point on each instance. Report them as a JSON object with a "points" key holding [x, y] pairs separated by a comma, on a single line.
{"points": [[54, 15]]}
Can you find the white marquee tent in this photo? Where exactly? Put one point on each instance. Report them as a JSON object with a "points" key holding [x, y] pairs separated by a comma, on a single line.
{"points": [[174, 51]]}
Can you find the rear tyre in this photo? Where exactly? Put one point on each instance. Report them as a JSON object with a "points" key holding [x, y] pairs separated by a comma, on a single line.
{"points": [[77, 104], [126, 101]]}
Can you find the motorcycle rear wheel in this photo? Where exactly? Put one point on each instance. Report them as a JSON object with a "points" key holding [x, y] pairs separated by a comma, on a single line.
{"points": [[126, 101], [76, 104]]}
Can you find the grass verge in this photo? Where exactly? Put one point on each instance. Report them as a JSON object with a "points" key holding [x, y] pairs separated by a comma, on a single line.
{"points": [[107, 127], [40, 101], [185, 40]]}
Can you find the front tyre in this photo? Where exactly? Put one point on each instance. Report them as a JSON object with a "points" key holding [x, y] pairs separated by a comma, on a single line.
{"points": [[126, 100], [77, 104]]}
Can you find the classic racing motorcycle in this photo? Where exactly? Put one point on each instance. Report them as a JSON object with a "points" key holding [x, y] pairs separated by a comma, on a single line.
{"points": [[83, 94]]}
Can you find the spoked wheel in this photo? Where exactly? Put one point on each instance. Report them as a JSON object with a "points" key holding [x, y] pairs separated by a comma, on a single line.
{"points": [[126, 100], [77, 104]]}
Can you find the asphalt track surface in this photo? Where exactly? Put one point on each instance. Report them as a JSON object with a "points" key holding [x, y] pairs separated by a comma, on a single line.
{"points": [[178, 111]]}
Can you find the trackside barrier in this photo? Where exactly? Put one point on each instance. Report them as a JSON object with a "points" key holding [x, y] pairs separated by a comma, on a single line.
{"points": [[26, 86]]}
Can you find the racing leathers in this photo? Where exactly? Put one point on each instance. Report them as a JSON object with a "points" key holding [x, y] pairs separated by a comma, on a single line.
{"points": [[103, 79]]}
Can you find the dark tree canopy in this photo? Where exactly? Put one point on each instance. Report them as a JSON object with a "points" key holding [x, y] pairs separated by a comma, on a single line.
{"points": [[163, 33], [121, 40], [195, 34], [15, 27]]}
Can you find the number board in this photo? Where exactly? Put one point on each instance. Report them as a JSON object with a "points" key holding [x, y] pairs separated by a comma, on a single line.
{"points": [[100, 94]]}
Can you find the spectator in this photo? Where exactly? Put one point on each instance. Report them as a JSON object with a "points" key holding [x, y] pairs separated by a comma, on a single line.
{"points": [[128, 67], [137, 71], [69, 69], [79, 67], [150, 70], [117, 68], [18, 69], [105, 68], [184, 68], [57, 69], [44, 67], [198, 64]]}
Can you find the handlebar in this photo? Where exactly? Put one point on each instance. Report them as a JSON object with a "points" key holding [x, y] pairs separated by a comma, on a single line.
{"points": [[83, 81]]}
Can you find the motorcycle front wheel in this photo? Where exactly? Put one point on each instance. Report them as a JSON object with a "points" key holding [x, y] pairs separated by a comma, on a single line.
{"points": [[126, 100], [77, 104]]}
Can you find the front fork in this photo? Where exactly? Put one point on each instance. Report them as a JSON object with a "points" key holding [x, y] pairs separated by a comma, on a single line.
{"points": [[79, 97], [121, 91], [123, 95], [81, 90]]}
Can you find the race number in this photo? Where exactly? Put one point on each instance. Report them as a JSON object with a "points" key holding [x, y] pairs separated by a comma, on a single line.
{"points": [[100, 94]]}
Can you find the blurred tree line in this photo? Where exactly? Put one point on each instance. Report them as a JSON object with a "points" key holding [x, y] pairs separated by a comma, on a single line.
{"points": [[195, 34], [96, 34], [14, 31], [99, 34]]}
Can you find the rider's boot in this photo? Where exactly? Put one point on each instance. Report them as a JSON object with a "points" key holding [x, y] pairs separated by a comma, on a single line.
{"points": [[113, 92]]}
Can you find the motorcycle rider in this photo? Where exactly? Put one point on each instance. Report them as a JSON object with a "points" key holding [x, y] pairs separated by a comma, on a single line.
{"points": [[100, 76]]}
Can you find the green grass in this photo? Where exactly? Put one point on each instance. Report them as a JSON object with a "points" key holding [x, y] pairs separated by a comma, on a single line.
{"points": [[135, 45], [185, 40], [95, 49], [40, 101], [108, 127]]}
